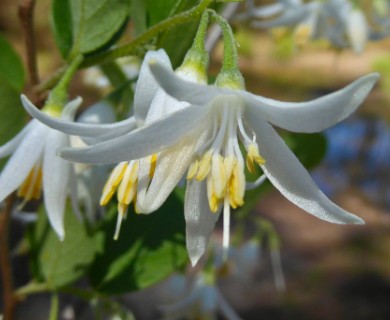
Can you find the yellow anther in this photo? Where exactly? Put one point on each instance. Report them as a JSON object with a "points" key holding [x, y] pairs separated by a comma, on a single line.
{"points": [[128, 187], [237, 186], [204, 166], [113, 182], [32, 186], [153, 163], [229, 164], [253, 156], [218, 175], [193, 170], [214, 203]]}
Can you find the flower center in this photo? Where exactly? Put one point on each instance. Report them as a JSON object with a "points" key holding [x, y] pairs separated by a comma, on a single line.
{"points": [[222, 165]]}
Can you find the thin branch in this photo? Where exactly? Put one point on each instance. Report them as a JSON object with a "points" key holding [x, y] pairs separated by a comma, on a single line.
{"points": [[9, 299], [25, 10]]}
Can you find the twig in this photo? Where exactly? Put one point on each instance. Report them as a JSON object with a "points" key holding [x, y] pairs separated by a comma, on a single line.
{"points": [[9, 299], [25, 10]]}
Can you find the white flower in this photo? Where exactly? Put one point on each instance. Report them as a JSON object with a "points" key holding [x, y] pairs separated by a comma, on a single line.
{"points": [[134, 180], [205, 136], [357, 29], [202, 300], [34, 165]]}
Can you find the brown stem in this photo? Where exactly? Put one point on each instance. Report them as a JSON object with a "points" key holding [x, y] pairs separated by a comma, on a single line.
{"points": [[25, 10], [9, 299]]}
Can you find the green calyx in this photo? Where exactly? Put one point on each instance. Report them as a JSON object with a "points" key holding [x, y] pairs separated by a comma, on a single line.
{"points": [[197, 58], [230, 75]]}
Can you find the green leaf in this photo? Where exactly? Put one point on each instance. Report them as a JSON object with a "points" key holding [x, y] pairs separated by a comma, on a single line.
{"points": [[13, 116], [138, 15], [61, 263], [84, 26], [96, 22], [159, 10], [61, 22], [11, 66], [178, 40], [309, 148], [149, 248]]}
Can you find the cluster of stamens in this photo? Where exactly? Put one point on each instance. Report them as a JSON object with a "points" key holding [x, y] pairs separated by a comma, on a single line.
{"points": [[124, 180]]}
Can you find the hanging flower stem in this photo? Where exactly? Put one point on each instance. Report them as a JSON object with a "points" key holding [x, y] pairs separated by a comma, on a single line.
{"points": [[9, 298]]}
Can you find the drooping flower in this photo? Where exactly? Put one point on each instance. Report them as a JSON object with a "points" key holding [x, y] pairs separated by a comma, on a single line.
{"points": [[199, 299], [338, 21], [134, 180], [34, 166], [207, 136]]}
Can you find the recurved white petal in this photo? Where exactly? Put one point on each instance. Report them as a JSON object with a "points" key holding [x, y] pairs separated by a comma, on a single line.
{"points": [[311, 116], [181, 89], [200, 221], [145, 141], [79, 129], [146, 85], [288, 175], [9, 147], [56, 173], [23, 159]]}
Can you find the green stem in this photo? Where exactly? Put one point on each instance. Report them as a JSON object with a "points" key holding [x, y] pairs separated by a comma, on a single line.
{"points": [[230, 74], [54, 307], [130, 48], [59, 95]]}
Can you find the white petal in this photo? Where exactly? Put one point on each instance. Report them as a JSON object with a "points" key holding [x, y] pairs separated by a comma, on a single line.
{"points": [[200, 221], [79, 129], [9, 147], [55, 181], [24, 158], [99, 113], [145, 141], [171, 166], [288, 18], [146, 85], [311, 116], [70, 110], [288, 175], [181, 89]]}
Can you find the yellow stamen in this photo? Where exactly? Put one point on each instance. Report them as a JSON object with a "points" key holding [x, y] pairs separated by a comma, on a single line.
{"points": [[193, 170], [113, 182], [218, 175], [153, 163], [252, 156], [237, 187], [204, 166], [214, 201], [229, 164], [32, 186], [128, 186]]}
